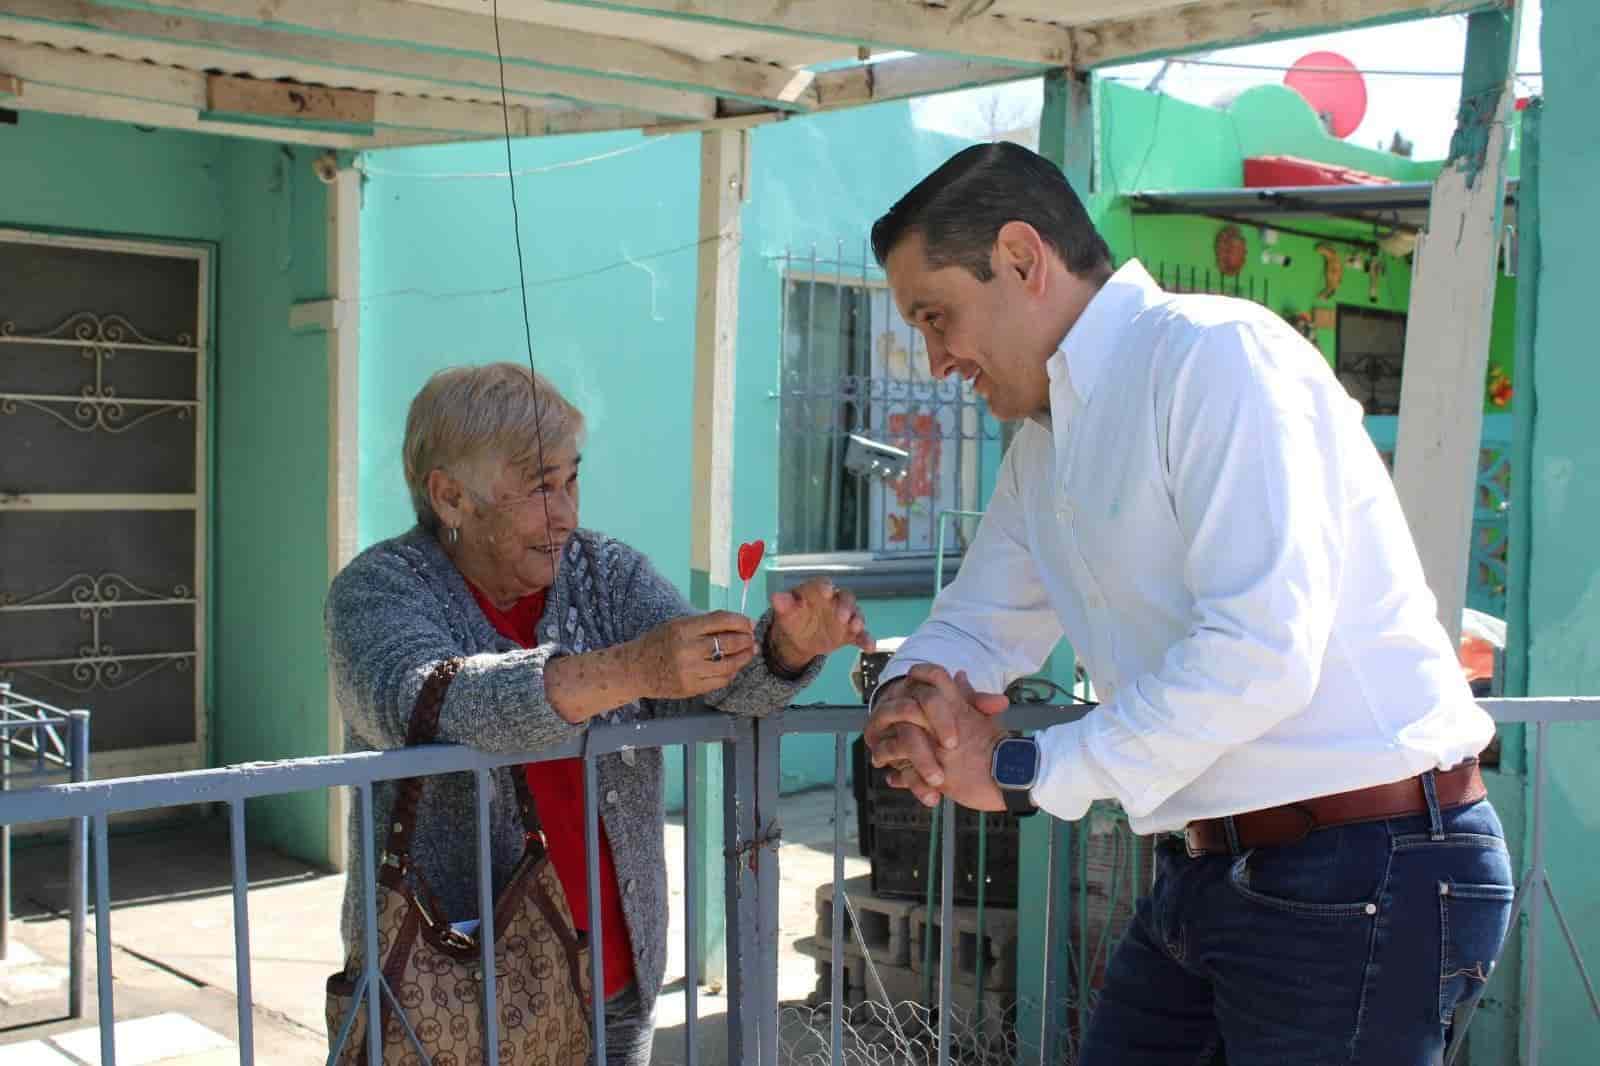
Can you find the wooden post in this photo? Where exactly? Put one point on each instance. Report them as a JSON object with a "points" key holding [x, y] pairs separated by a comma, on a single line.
{"points": [[1452, 306], [344, 373], [723, 155]]}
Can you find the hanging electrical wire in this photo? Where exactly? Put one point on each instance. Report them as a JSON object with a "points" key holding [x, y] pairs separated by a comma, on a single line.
{"points": [[522, 273], [380, 172]]}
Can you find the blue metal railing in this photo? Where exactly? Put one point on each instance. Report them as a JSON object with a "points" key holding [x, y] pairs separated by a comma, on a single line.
{"points": [[48, 743], [751, 830]]}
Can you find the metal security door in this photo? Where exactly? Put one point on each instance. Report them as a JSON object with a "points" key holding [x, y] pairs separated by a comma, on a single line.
{"points": [[102, 490]]}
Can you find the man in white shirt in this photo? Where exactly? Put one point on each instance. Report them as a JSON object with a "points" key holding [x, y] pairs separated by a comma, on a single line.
{"points": [[1193, 501]]}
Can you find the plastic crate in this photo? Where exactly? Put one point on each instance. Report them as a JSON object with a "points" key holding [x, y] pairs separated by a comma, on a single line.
{"points": [[892, 827], [899, 854]]}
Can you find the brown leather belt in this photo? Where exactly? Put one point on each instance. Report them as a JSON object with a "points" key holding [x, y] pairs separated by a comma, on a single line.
{"points": [[1292, 822]]}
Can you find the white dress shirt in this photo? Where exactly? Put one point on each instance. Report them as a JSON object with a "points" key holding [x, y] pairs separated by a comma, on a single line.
{"points": [[1209, 525]]}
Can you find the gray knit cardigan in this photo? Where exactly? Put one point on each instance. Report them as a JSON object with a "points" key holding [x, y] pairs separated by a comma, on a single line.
{"points": [[401, 606]]}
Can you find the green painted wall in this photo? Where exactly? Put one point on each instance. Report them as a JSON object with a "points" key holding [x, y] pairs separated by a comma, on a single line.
{"points": [[1144, 151], [1183, 246], [262, 213], [440, 287], [1564, 582], [610, 249], [169, 185], [271, 481], [1276, 120]]}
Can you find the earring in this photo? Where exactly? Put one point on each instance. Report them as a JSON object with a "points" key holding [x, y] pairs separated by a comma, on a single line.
{"points": [[452, 535]]}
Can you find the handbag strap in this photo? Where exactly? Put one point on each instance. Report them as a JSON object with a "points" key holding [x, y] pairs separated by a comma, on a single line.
{"points": [[423, 729]]}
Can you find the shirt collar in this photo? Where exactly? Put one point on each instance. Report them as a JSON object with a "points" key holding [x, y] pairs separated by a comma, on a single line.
{"points": [[1077, 364]]}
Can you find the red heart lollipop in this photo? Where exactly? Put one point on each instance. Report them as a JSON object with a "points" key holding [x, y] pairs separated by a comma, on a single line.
{"points": [[749, 560]]}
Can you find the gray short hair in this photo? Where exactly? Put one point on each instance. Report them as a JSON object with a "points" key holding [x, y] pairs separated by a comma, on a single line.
{"points": [[467, 415]]}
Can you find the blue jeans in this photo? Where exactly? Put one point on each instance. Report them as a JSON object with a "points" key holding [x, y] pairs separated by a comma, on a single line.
{"points": [[630, 1032], [1354, 946]]}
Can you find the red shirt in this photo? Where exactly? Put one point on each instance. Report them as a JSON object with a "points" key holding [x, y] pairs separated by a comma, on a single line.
{"points": [[557, 788]]}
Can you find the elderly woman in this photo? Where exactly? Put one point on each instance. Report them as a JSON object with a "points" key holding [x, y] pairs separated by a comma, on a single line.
{"points": [[558, 626]]}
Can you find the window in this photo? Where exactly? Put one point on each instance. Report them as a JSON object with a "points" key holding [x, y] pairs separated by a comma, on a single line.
{"points": [[872, 447], [1369, 357]]}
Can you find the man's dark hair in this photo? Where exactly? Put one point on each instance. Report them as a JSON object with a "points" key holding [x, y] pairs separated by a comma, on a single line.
{"points": [[960, 208]]}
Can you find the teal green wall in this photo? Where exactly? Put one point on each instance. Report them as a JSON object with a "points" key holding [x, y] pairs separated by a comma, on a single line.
{"points": [[169, 185], [269, 405], [271, 481], [1564, 583], [439, 286]]}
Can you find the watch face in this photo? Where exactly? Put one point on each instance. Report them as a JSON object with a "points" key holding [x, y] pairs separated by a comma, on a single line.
{"points": [[1016, 763]]}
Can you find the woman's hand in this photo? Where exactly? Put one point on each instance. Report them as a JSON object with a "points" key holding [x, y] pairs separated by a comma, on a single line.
{"points": [[813, 620], [693, 655], [675, 660]]}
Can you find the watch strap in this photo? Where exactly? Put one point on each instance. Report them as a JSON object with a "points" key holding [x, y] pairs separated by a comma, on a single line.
{"points": [[1019, 802]]}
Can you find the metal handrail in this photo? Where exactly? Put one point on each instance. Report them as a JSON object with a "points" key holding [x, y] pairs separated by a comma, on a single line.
{"points": [[56, 744], [751, 777]]}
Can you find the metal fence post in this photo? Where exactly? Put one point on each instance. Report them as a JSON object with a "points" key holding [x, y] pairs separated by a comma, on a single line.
{"points": [[77, 868], [486, 950], [1054, 864], [1532, 951], [591, 855], [836, 1003], [739, 835], [947, 929], [238, 845], [764, 857], [102, 941], [372, 975], [5, 830], [691, 911]]}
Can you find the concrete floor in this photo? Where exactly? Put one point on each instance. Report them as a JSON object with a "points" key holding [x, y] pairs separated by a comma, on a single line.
{"points": [[173, 957]]}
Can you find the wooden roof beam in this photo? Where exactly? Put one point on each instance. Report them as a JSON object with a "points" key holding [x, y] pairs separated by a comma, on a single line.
{"points": [[429, 30], [200, 44], [896, 79], [883, 24], [1205, 26], [121, 90]]}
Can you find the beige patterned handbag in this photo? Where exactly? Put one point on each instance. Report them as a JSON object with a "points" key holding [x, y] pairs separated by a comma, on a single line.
{"points": [[435, 972]]}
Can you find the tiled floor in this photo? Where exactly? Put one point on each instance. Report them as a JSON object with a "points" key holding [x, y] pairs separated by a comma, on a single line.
{"points": [[161, 1038]]}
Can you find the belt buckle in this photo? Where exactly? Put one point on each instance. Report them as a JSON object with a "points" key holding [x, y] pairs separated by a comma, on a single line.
{"points": [[1189, 835]]}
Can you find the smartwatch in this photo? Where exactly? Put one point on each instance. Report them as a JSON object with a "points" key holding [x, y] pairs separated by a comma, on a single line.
{"points": [[1015, 768]]}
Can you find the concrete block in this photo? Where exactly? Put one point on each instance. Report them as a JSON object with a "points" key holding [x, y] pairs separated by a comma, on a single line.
{"points": [[885, 923], [997, 947]]}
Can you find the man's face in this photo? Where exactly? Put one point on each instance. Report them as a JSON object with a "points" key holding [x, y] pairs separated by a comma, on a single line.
{"points": [[984, 331]]}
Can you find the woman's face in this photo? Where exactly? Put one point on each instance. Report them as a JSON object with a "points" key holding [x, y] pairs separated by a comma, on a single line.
{"points": [[516, 523]]}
